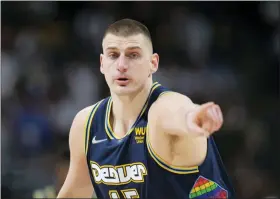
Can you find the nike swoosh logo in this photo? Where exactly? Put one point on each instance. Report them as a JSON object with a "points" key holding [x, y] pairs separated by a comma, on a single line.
{"points": [[94, 141]]}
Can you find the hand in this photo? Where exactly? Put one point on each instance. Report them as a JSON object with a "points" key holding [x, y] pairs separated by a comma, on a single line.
{"points": [[205, 119]]}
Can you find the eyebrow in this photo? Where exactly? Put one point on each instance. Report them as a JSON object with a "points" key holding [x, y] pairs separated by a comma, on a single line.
{"points": [[129, 48]]}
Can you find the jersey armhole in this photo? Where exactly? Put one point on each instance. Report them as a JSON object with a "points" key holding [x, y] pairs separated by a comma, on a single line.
{"points": [[162, 163], [165, 165], [88, 124]]}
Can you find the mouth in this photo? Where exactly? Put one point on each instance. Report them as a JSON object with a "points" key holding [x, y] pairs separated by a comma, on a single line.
{"points": [[122, 81]]}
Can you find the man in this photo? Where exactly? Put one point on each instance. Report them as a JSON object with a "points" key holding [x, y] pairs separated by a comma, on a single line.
{"points": [[143, 141]]}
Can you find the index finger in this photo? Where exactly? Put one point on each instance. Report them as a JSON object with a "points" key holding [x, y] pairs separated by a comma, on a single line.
{"points": [[203, 108]]}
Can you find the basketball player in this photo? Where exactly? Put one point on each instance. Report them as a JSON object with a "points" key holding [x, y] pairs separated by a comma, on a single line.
{"points": [[144, 141]]}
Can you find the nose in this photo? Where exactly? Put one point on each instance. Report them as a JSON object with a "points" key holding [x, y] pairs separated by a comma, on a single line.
{"points": [[122, 64]]}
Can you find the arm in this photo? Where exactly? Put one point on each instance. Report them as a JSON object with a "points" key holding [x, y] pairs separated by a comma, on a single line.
{"points": [[77, 183], [177, 118], [177, 115]]}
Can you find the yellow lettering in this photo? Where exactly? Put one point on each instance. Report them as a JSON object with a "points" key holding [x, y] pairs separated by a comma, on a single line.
{"points": [[139, 141], [140, 130], [144, 131]]}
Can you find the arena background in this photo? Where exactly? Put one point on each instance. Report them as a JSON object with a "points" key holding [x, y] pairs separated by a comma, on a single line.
{"points": [[221, 51]]}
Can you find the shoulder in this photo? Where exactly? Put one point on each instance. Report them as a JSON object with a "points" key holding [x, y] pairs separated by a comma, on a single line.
{"points": [[84, 113], [77, 133], [170, 102], [172, 97], [81, 118]]}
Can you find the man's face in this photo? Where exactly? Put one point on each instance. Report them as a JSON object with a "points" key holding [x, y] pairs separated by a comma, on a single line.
{"points": [[127, 63]]}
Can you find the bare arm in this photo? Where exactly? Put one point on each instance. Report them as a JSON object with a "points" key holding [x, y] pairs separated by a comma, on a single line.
{"points": [[176, 117], [176, 114], [77, 183]]}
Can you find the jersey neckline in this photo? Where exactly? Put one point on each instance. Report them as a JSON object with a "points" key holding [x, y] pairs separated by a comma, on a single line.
{"points": [[108, 129]]}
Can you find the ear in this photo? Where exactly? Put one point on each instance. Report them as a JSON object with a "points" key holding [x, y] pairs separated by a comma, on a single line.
{"points": [[101, 63], [154, 63]]}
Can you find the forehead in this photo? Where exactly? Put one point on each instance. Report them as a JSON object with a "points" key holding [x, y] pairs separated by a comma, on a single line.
{"points": [[120, 42]]}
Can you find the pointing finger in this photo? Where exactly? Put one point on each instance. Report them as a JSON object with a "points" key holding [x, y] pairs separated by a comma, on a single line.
{"points": [[203, 108]]}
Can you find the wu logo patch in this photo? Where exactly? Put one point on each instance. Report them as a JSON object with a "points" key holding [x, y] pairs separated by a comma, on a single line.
{"points": [[205, 188], [140, 133]]}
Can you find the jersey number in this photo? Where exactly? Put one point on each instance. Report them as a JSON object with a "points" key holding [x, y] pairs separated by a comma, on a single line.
{"points": [[127, 193]]}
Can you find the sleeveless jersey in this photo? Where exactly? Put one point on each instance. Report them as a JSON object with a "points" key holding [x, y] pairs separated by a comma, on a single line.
{"points": [[130, 168]]}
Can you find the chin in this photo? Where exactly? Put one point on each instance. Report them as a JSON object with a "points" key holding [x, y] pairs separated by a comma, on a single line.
{"points": [[122, 91], [125, 90]]}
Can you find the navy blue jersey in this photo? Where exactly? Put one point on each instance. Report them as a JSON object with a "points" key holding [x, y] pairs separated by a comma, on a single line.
{"points": [[129, 167]]}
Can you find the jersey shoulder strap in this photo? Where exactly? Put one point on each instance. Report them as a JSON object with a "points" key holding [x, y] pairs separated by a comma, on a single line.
{"points": [[95, 111], [156, 91]]}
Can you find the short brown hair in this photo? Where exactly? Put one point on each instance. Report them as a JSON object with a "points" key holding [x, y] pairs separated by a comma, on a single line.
{"points": [[128, 27]]}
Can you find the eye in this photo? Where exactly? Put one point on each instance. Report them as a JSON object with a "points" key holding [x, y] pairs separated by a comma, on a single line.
{"points": [[113, 55], [134, 55]]}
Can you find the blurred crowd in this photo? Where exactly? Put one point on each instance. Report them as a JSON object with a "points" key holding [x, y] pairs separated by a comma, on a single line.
{"points": [[221, 51]]}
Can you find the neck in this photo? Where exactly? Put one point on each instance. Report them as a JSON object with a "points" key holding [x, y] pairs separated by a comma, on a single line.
{"points": [[125, 109]]}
